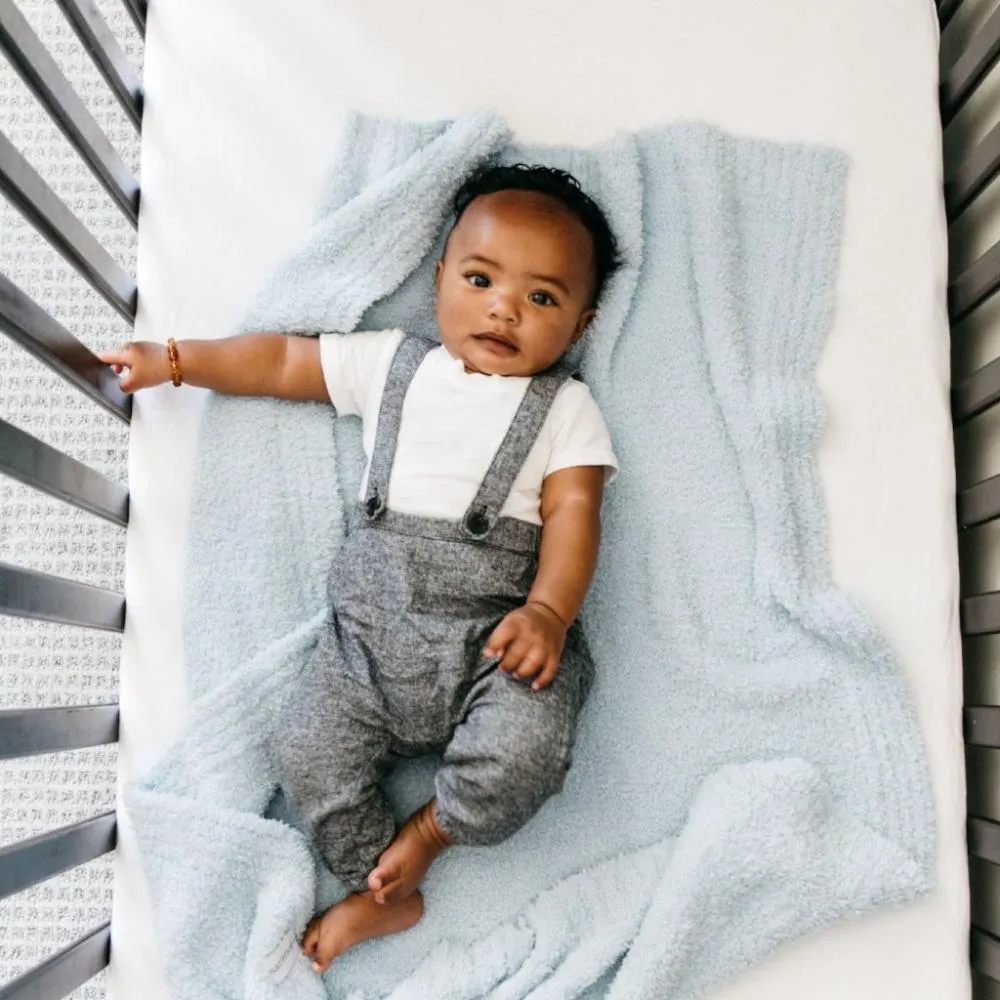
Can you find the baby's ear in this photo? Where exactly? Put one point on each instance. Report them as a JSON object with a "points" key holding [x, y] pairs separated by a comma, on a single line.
{"points": [[583, 322], [438, 271]]}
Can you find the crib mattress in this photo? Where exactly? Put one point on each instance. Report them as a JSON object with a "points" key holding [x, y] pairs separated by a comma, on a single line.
{"points": [[242, 98]]}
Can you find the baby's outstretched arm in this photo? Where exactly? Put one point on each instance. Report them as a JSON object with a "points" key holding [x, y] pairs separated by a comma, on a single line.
{"points": [[530, 639], [259, 364]]}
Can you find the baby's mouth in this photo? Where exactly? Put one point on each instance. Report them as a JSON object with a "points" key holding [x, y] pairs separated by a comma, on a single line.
{"points": [[498, 340]]}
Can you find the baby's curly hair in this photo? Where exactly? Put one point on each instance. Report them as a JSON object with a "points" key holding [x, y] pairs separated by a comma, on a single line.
{"points": [[558, 184]]}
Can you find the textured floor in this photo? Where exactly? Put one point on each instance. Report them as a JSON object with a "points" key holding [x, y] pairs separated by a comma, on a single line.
{"points": [[44, 664]]}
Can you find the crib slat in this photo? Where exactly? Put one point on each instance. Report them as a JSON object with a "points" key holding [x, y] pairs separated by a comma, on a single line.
{"points": [[961, 79], [984, 839], [38, 333], [980, 503], [975, 284], [64, 972], [27, 594], [26, 732], [983, 774], [137, 9], [981, 725], [984, 954], [41, 73], [32, 861], [37, 464], [946, 11], [976, 393], [981, 614], [984, 988], [40, 205], [103, 47], [984, 880], [973, 174]]}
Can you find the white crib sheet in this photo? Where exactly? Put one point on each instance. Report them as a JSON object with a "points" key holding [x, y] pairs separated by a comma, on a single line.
{"points": [[241, 101]]}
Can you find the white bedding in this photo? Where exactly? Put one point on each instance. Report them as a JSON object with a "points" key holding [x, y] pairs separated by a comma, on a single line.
{"points": [[241, 102]]}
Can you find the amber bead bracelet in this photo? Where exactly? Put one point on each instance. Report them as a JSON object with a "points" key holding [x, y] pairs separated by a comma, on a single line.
{"points": [[175, 361]]}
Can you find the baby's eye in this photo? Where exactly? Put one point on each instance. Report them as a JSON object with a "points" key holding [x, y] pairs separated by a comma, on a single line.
{"points": [[542, 299], [478, 279]]}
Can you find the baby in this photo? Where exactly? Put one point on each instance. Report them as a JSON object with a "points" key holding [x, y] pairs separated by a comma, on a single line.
{"points": [[453, 601]]}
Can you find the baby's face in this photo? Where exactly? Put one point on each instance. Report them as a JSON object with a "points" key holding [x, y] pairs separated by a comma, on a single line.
{"points": [[515, 284]]}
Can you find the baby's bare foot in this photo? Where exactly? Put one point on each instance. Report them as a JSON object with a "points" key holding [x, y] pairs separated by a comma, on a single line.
{"points": [[353, 920], [404, 864]]}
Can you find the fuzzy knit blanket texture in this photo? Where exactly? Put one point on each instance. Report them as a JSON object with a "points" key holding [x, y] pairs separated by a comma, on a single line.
{"points": [[748, 767]]}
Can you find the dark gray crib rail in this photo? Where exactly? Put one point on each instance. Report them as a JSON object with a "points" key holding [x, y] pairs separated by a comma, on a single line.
{"points": [[36, 595], [971, 170], [31, 461]]}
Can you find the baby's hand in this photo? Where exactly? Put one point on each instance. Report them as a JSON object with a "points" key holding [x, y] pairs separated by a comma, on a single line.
{"points": [[148, 364], [530, 640]]}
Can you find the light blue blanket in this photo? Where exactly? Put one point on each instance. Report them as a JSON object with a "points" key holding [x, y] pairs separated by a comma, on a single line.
{"points": [[748, 767]]}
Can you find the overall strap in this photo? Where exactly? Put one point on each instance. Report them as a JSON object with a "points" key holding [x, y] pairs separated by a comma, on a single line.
{"points": [[409, 355], [512, 453]]}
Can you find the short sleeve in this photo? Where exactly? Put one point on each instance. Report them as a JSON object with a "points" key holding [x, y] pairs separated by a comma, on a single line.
{"points": [[355, 366], [579, 434]]}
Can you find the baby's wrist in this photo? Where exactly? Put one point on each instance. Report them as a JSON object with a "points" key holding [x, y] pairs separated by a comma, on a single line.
{"points": [[151, 364], [547, 609]]}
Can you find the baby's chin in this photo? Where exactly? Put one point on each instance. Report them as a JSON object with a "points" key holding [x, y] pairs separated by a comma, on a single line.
{"points": [[515, 368], [493, 360], [485, 356], [477, 366]]}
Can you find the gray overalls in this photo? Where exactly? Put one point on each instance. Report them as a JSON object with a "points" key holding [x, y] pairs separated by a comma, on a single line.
{"points": [[399, 669]]}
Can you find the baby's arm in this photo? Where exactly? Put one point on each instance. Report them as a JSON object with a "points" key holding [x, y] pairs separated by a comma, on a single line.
{"points": [[530, 639], [259, 364]]}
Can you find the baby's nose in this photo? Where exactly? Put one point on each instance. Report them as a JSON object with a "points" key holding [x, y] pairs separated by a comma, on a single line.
{"points": [[503, 308]]}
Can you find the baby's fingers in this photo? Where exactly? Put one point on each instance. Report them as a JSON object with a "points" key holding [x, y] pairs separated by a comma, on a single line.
{"points": [[515, 654], [117, 357], [118, 360], [503, 635], [548, 674], [534, 660]]}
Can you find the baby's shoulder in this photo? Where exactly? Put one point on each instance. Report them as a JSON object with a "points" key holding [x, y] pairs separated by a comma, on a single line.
{"points": [[574, 412], [573, 397]]}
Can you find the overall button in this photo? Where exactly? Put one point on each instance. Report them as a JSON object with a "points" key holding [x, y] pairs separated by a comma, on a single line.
{"points": [[371, 505], [478, 523]]}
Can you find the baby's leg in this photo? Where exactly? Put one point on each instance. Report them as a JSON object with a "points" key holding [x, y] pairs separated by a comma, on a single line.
{"points": [[332, 745], [509, 754]]}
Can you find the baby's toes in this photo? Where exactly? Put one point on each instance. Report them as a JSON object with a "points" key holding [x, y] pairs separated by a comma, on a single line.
{"points": [[395, 888], [320, 962], [311, 938], [326, 952], [388, 893], [384, 873]]}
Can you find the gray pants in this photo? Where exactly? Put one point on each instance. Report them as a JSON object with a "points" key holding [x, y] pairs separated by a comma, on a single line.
{"points": [[399, 670]]}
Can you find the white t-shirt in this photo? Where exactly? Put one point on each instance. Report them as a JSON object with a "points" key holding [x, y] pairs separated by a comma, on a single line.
{"points": [[452, 425]]}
